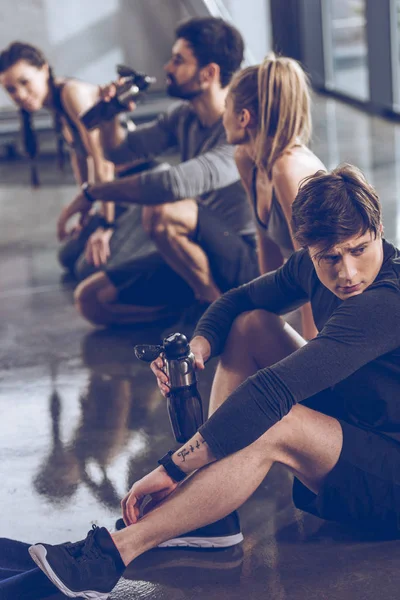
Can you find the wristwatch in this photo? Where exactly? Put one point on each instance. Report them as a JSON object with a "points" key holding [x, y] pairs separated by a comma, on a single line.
{"points": [[85, 189], [108, 225], [104, 224], [172, 469]]}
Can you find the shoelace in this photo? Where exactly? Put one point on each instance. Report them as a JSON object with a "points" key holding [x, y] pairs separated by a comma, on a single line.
{"points": [[86, 549]]}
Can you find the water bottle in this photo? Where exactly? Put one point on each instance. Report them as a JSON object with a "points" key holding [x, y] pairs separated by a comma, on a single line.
{"points": [[134, 84], [185, 408]]}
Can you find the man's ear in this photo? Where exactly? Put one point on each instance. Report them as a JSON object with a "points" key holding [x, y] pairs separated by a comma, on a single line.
{"points": [[210, 73]]}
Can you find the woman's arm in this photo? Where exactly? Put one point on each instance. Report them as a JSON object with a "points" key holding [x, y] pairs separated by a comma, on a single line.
{"points": [[113, 134], [308, 327], [287, 174], [269, 254], [79, 167], [76, 98]]}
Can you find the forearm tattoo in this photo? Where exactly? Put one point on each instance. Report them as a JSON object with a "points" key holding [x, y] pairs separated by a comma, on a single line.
{"points": [[190, 449]]}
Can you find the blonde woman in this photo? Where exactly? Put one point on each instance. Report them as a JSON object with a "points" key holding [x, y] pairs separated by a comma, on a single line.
{"points": [[268, 117]]}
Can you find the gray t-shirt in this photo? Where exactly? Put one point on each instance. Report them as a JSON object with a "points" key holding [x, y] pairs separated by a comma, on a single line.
{"points": [[207, 172]]}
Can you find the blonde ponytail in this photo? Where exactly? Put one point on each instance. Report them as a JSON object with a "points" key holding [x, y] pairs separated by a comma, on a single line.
{"points": [[277, 95]]}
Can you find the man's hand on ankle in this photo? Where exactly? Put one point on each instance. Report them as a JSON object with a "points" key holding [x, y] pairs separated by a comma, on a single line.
{"points": [[161, 482], [157, 484]]}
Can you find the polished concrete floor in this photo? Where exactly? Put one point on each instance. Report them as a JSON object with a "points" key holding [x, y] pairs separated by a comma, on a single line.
{"points": [[81, 418]]}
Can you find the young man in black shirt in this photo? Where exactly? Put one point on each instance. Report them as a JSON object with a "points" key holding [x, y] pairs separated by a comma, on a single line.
{"points": [[328, 409]]}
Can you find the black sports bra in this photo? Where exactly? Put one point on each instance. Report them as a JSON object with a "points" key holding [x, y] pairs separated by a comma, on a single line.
{"points": [[276, 227]]}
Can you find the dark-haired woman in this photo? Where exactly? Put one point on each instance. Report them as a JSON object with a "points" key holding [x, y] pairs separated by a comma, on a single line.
{"points": [[29, 80]]}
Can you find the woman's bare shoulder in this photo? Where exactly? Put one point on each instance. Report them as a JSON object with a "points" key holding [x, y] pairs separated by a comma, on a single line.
{"points": [[78, 95], [297, 163]]}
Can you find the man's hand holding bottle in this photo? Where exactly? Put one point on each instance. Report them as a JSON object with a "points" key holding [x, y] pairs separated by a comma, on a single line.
{"points": [[201, 349], [110, 91]]}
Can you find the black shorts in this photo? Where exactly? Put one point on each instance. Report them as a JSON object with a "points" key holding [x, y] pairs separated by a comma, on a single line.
{"points": [[149, 281], [363, 489]]}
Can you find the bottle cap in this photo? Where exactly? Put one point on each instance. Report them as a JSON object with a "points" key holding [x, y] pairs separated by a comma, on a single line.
{"points": [[176, 346]]}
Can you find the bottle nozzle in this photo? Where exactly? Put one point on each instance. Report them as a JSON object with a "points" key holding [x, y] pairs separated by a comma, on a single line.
{"points": [[124, 71], [148, 353]]}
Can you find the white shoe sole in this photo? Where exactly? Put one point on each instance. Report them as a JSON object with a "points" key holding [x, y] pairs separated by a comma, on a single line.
{"points": [[198, 542], [38, 554]]}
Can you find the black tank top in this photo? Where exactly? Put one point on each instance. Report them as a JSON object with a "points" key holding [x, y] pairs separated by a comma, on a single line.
{"points": [[276, 227]]}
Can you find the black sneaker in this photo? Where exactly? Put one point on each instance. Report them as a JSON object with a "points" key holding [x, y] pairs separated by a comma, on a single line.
{"points": [[87, 569], [221, 534]]}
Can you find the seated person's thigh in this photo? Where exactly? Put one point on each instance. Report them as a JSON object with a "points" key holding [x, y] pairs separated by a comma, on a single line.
{"points": [[232, 257], [149, 281]]}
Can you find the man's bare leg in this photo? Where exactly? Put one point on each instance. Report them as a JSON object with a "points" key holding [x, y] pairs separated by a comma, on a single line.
{"points": [[257, 339], [307, 442], [170, 226], [95, 299]]}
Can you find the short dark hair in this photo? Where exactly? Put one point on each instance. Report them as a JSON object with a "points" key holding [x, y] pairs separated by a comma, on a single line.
{"points": [[213, 40], [332, 207]]}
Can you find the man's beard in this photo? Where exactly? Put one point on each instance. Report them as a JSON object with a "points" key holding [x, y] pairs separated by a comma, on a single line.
{"points": [[175, 90]]}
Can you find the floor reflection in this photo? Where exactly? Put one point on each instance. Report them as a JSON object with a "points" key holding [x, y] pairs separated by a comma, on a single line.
{"points": [[82, 418], [116, 408], [188, 568]]}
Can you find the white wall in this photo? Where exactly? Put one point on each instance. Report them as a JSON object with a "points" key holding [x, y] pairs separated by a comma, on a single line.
{"points": [[87, 38], [147, 28], [252, 18]]}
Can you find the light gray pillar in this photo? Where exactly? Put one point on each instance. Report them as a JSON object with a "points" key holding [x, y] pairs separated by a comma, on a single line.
{"points": [[380, 56], [297, 32], [312, 43]]}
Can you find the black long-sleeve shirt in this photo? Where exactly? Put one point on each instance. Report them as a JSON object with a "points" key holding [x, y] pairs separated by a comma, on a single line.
{"points": [[357, 352]]}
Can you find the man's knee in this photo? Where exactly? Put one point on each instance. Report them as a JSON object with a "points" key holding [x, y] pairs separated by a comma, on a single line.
{"points": [[279, 443], [83, 269], [92, 293], [166, 221], [156, 220], [302, 437], [68, 254], [249, 324]]}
